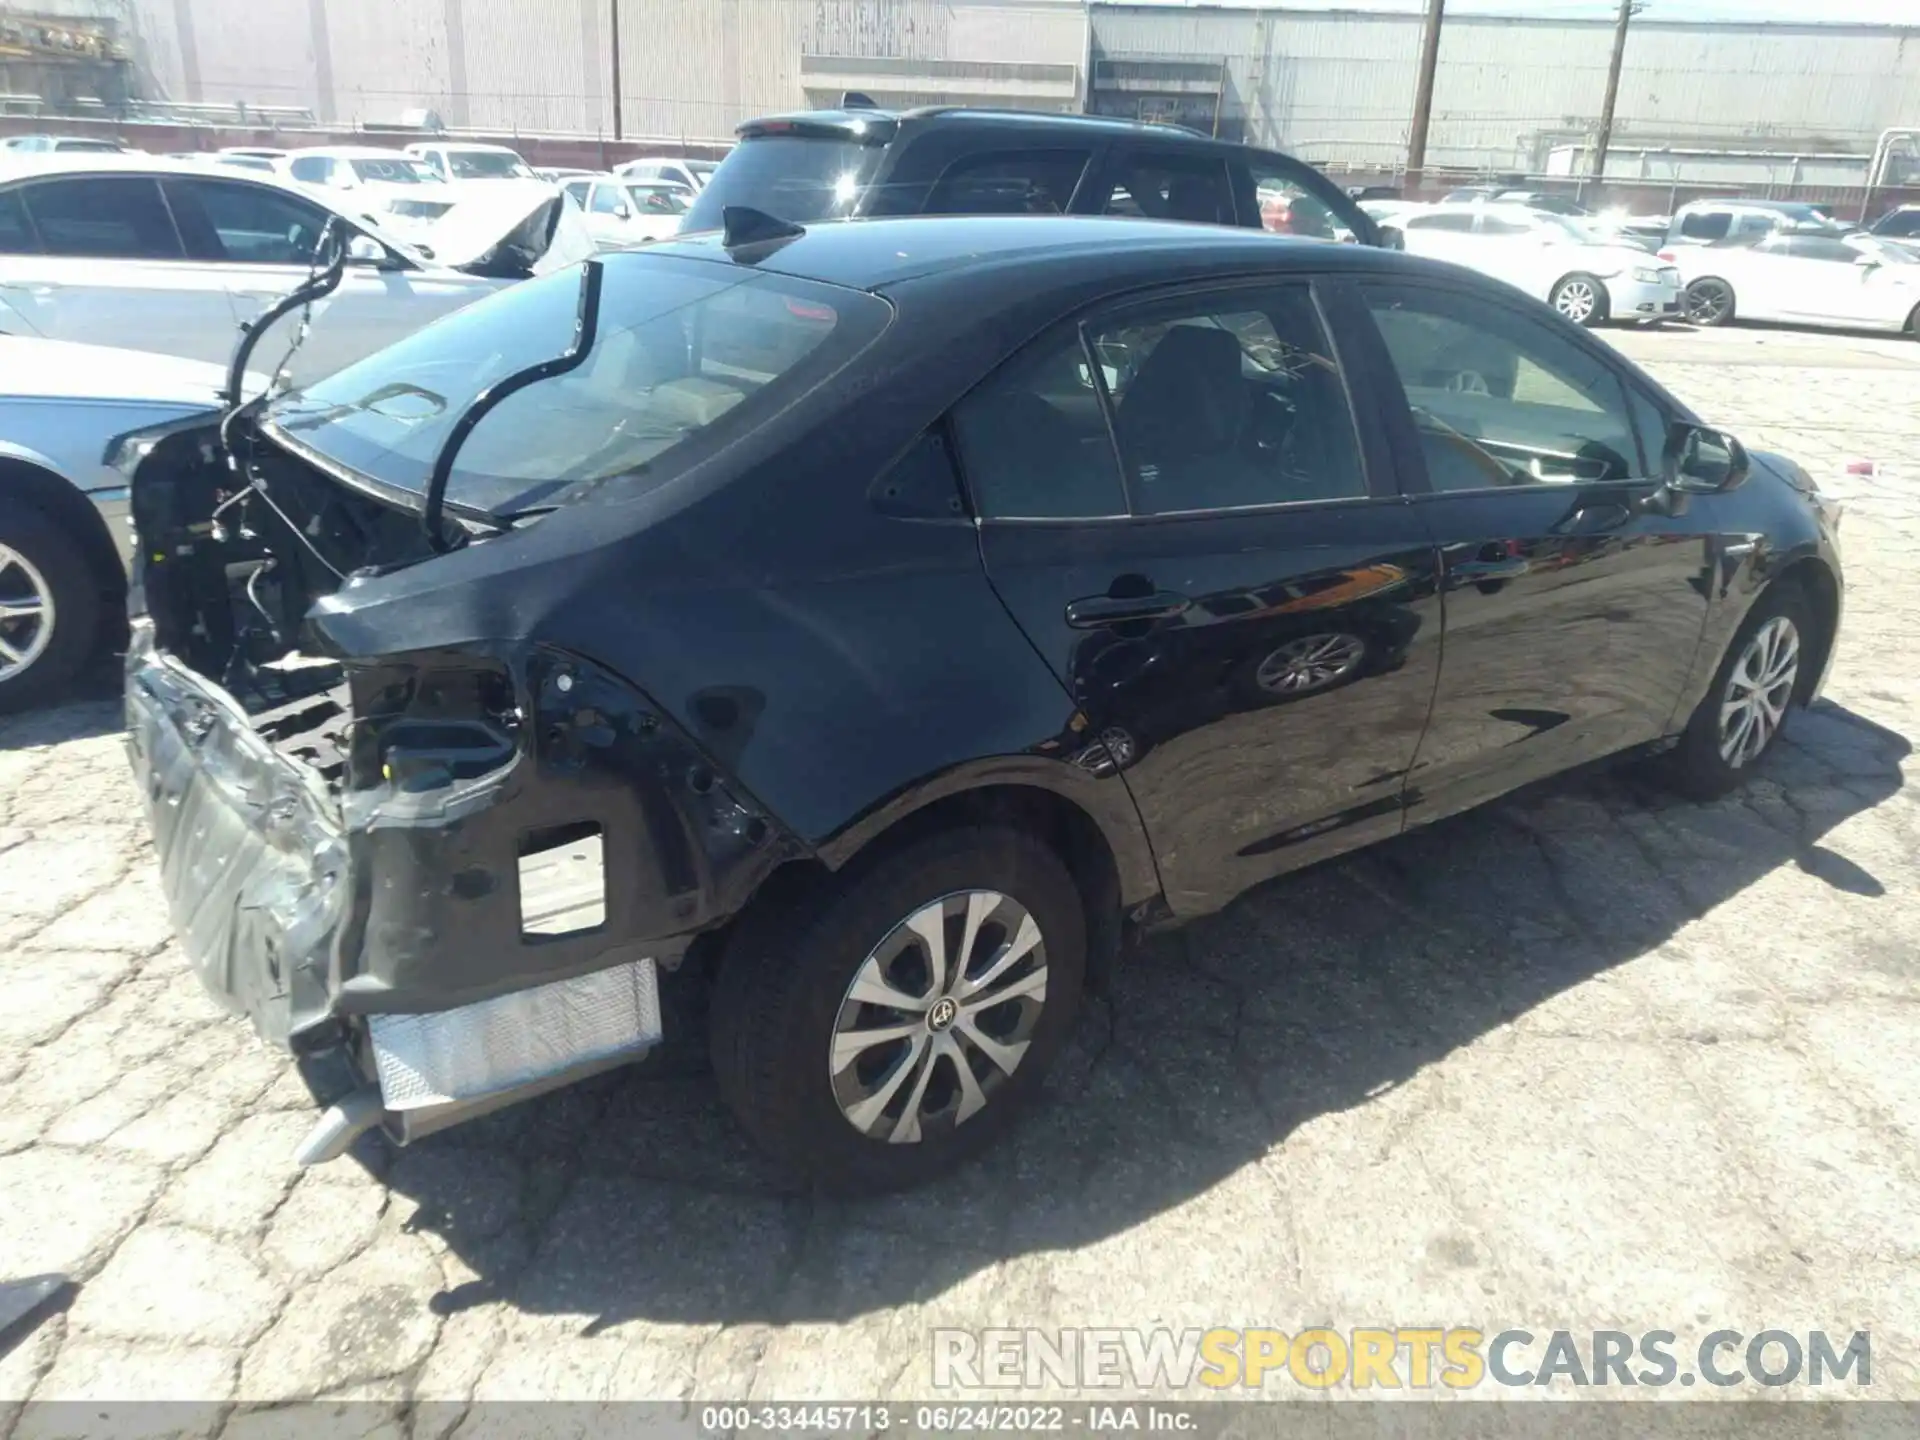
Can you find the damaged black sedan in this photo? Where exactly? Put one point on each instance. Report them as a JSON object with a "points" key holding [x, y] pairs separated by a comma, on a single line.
{"points": [[866, 625]]}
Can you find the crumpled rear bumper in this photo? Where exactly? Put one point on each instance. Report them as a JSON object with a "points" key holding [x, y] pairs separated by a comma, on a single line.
{"points": [[432, 945], [252, 857]]}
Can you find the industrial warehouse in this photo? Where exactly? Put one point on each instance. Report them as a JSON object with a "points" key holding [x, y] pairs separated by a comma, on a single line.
{"points": [[1512, 94]]}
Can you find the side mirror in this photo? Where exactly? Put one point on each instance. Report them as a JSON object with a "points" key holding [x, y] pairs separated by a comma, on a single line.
{"points": [[366, 251], [623, 211], [1700, 461]]}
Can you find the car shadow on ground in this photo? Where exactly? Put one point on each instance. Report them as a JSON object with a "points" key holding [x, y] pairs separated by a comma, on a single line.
{"points": [[637, 1198], [90, 708]]}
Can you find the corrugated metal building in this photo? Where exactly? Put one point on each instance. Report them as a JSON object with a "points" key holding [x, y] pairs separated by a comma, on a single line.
{"points": [[1338, 86], [688, 68]]}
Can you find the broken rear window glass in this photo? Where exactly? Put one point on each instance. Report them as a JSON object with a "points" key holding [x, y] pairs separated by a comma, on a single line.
{"points": [[683, 348]]}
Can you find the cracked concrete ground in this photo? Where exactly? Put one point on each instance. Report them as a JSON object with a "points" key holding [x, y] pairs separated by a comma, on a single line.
{"points": [[1590, 1058]]}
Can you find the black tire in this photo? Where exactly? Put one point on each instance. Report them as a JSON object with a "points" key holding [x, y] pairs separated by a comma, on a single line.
{"points": [[1565, 287], [1696, 766], [784, 978], [1913, 324], [77, 611], [1708, 301]]}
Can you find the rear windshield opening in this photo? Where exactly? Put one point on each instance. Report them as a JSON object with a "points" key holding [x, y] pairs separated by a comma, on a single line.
{"points": [[688, 355]]}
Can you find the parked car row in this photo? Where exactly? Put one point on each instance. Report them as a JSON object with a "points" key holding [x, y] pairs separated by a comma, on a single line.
{"points": [[1717, 260], [1584, 273]]}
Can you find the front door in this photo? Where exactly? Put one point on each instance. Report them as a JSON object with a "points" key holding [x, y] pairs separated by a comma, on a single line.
{"points": [[1241, 610], [1572, 613]]}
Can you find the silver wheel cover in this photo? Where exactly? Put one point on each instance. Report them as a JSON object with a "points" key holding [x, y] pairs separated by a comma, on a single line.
{"points": [[1310, 663], [938, 1017], [1758, 691], [26, 613], [1576, 300]]}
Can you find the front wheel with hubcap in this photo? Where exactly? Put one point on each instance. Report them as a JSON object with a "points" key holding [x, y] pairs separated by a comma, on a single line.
{"points": [[50, 608], [1708, 302], [882, 1031], [1740, 718], [1581, 298]]}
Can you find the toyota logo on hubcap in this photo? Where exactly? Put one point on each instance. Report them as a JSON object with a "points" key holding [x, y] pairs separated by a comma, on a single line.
{"points": [[942, 1014]]}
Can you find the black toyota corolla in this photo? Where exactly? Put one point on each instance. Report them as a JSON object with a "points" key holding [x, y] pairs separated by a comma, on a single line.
{"points": [[865, 625]]}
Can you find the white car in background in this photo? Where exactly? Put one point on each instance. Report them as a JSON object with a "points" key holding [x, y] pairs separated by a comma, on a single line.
{"points": [[389, 187], [1819, 276], [1580, 272], [673, 169], [621, 212], [457, 164], [173, 257]]}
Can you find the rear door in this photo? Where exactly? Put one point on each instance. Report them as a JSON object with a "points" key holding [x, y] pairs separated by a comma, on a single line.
{"points": [[1572, 616], [111, 270], [1185, 504]]}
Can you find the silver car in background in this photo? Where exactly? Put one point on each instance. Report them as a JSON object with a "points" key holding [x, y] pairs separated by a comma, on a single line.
{"points": [[64, 537]]}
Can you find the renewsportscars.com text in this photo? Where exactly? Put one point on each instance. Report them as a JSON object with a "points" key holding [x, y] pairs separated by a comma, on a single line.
{"points": [[1393, 1358]]}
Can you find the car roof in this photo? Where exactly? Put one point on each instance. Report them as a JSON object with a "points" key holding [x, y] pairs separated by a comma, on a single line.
{"points": [[349, 152], [19, 165], [876, 254], [976, 117], [463, 145], [1787, 207]]}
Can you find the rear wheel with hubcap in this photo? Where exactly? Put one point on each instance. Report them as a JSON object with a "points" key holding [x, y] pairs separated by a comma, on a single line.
{"points": [[889, 1027], [1581, 298], [1708, 301], [1740, 718]]}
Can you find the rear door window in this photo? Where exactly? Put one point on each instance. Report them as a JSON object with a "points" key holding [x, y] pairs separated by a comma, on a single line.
{"points": [[1228, 401], [1164, 186], [104, 217], [1015, 182], [1706, 225], [1034, 440], [16, 236]]}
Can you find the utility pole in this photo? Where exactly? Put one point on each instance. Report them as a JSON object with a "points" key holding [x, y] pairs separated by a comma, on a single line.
{"points": [[1598, 169], [1423, 98], [613, 15]]}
